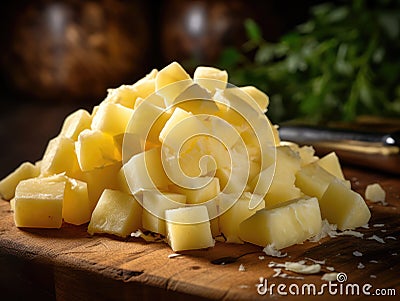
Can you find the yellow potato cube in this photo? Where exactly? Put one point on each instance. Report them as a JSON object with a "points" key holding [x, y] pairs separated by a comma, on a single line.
{"points": [[287, 224], [155, 203], [282, 187], [99, 179], [196, 100], [234, 214], [127, 95], [313, 180], [259, 97], [171, 81], [111, 118], [330, 163], [199, 195], [75, 123], [116, 213], [77, 208], [188, 228], [39, 203], [210, 78], [25, 171], [95, 149], [145, 171], [343, 207], [60, 157], [148, 121]]}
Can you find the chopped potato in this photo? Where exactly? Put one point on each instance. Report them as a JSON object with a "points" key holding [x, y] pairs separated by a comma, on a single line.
{"points": [[39, 202], [188, 228], [116, 213], [285, 225], [190, 159], [25, 171]]}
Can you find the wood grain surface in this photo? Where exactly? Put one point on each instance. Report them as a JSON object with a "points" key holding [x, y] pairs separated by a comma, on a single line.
{"points": [[69, 264]]}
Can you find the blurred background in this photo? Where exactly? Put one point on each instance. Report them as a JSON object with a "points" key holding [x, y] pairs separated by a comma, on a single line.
{"points": [[317, 61]]}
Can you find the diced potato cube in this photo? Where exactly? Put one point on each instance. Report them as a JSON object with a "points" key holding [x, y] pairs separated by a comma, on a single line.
{"points": [[287, 224], [259, 97], [199, 195], [124, 95], [111, 118], [282, 187], [188, 228], [116, 213], [180, 126], [344, 207], [155, 203], [171, 81], [12, 204], [375, 193], [39, 203], [210, 78], [95, 149], [234, 214], [330, 163], [25, 171], [148, 121], [127, 95], [99, 179], [75, 123], [196, 100], [145, 171], [76, 205], [60, 157]]}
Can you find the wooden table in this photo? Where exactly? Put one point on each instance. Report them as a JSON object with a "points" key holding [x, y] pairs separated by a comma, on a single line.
{"points": [[69, 264]]}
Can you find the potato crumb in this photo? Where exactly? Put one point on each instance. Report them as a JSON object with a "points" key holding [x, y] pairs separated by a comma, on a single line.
{"points": [[242, 268], [357, 254], [375, 193], [271, 251], [329, 276]]}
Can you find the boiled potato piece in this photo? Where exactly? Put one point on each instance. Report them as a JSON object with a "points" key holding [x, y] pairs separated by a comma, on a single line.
{"points": [[148, 121], [375, 193], [102, 178], [111, 118], [284, 225], [260, 98], [60, 157], [76, 204], [235, 214], [116, 213], [75, 123], [330, 163], [39, 202], [313, 180], [95, 149], [145, 171], [127, 95], [25, 171], [171, 81], [283, 187], [199, 195], [344, 207], [210, 78], [155, 203], [188, 228]]}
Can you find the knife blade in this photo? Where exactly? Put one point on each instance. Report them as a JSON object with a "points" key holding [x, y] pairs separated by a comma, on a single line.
{"points": [[375, 150]]}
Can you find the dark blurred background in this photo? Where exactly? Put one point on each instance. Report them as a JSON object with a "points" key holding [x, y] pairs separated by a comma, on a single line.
{"points": [[58, 56]]}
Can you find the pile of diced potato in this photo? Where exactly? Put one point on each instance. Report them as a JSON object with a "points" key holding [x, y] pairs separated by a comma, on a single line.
{"points": [[136, 163]]}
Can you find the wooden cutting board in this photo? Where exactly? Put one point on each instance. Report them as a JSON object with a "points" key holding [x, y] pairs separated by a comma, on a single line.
{"points": [[69, 264]]}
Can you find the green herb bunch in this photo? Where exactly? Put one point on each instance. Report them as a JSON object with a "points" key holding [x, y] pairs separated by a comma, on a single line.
{"points": [[342, 63]]}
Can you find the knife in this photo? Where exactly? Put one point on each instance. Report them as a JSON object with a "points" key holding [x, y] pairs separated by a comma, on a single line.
{"points": [[375, 150]]}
